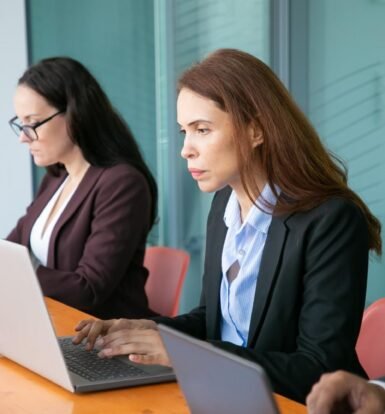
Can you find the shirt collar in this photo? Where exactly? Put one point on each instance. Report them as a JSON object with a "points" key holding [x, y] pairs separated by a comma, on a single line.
{"points": [[256, 218]]}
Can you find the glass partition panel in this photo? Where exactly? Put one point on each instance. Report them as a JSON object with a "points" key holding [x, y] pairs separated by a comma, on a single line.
{"points": [[346, 97], [115, 40]]}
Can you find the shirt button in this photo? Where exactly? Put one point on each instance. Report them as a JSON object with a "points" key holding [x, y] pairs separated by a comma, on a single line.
{"points": [[241, 252]]}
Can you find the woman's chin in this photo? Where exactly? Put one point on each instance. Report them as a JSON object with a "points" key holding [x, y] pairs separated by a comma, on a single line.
{"points": [[208, 187], [39, 162]]}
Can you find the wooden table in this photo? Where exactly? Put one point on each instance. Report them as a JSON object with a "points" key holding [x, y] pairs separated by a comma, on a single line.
{"points": [[23, 392]]}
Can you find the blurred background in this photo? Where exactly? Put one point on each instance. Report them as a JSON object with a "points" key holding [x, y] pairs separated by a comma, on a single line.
{"points": [[329, 53]]}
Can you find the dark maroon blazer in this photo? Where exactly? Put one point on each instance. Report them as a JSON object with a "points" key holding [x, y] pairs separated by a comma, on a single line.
{"points": [[96, 250]]}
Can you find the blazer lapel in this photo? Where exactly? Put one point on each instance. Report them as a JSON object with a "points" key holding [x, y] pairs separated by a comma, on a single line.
{"points": [[85, 186], [214, 272], [270, 260], [38, 205], [216, 234]]}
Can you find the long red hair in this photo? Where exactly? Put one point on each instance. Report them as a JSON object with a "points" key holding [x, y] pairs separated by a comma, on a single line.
{"points": [[292, 155]]}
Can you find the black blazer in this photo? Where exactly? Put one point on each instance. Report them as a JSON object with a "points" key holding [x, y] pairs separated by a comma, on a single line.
{"points": [[309, 297]]}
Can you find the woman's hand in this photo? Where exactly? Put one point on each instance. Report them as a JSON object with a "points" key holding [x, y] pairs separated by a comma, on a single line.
{"points": [[143, 346], [92, 329], [137, 338]]}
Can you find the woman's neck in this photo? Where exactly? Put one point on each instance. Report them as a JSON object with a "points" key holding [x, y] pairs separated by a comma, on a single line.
{"points": [[244, 201], [76, 168]]}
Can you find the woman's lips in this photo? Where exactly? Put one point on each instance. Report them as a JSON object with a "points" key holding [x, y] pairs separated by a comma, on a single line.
{"points": [[196, 173]]}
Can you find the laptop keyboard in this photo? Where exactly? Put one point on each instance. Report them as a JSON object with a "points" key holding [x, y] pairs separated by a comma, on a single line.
{"points": [[88, 365]]}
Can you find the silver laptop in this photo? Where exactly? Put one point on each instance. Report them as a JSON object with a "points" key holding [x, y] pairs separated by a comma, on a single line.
{"points": [[27, 336], [216, 381]]}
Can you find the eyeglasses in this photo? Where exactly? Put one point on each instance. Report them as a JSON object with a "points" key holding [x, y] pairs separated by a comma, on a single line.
{"points": [[29, 130]]}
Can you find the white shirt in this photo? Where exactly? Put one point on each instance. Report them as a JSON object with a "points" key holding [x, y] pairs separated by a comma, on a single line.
{"points": [[39, 241]]}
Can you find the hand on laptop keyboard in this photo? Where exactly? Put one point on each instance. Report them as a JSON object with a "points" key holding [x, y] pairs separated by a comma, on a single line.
{"points": [[92, 329], [89, 366], [137, 338]]}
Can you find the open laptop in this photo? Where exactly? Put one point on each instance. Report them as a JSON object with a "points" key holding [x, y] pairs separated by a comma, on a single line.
{"points": [[27, 336], [216, 381]]}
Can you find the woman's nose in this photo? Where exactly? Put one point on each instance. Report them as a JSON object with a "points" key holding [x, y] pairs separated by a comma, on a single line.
{"points": [[188, 151], [23, 138]]}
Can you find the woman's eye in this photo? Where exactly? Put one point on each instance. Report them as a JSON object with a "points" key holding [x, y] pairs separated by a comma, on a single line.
{"points": [[203, 131], [30, 123], [182, 132]]}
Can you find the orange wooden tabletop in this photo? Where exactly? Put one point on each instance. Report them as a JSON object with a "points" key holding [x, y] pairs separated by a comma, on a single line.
{"points": [[23, 392]]}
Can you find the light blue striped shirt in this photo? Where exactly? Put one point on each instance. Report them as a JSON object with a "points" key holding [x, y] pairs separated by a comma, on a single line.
{"points": [[244, 242]]}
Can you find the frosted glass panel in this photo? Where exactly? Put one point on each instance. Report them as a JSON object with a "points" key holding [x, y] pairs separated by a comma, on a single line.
{"points": [[115, 40], [202, 26], [347, 98]]}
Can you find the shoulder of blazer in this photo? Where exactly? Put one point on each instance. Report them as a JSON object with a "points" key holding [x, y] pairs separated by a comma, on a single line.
{"points": [[334, 208], [123, 175]]}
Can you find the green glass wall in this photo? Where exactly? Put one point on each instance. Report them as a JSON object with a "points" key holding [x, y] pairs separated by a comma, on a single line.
{"points": [[346, 98], [115, 40]]}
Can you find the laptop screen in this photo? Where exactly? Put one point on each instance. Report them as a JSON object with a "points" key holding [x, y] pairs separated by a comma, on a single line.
{"points": [[216, 381]]}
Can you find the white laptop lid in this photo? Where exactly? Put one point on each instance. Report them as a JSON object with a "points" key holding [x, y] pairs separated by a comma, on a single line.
{"points": [[27, 335], [26, 332], [216, 381]]}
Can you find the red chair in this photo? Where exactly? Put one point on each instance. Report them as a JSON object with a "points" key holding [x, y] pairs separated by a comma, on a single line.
{"points": [[167, 270], [371, 340]]}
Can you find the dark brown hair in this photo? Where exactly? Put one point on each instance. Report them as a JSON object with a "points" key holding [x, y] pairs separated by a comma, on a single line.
{"points": [[93, 123], [292, 155]]}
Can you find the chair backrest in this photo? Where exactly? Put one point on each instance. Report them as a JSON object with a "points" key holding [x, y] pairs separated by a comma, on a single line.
{"points": [[371, 340], [167, 270]]}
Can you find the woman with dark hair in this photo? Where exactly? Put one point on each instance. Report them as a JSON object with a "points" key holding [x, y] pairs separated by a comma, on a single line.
{"points": [[87, 227], [287, 241]]}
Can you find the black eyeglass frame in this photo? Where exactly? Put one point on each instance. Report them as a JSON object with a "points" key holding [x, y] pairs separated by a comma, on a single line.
{"points": [[26, 127]]}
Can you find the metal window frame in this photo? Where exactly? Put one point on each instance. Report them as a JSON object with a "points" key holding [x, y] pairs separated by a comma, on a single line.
{"points": [[290, 46]]}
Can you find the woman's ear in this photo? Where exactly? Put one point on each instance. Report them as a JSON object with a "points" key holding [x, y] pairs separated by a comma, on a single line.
{"points": [[256, 136]]}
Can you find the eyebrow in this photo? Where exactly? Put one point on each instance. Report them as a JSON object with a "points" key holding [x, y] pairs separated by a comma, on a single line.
{"points": [[197, 121], [28, 116]]}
